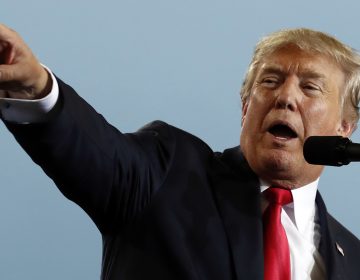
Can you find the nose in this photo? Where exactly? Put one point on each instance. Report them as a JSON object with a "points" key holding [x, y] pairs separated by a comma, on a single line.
{"points": [[288, 95]]}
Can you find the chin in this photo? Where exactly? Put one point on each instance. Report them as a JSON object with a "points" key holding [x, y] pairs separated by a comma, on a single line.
{"points": [[279, 160], [287, 172], [279, 168]]}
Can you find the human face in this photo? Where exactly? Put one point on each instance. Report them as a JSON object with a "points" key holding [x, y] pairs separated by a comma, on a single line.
{"points": [[295, 95]]}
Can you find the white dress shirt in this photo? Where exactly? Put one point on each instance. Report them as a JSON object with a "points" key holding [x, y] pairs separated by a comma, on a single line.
{"points": [[301, 223], [29, 111]]}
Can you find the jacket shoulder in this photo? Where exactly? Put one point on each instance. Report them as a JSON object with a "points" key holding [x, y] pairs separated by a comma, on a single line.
{"points": [[342, 234], [181, 137], [347, 251]]}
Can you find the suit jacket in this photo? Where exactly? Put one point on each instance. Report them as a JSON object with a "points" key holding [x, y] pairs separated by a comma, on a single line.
{"points": [[167, 206]]}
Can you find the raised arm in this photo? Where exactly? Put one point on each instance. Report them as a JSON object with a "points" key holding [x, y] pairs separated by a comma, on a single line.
{"points": [[111, 175]]}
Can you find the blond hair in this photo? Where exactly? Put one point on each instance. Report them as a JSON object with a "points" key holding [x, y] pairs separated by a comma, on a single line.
{"points": [[314, 42]]}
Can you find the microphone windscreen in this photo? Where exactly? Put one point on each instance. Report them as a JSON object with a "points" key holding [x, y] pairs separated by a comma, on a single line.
{"points": [[326, 150]]}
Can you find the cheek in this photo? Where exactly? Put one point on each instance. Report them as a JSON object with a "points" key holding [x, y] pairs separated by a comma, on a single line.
{"points": [[321, 118], [259, 104], [252, 119], [250, 124]]}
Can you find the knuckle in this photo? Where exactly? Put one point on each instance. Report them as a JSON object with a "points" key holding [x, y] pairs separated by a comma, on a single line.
{"points": [[6, 76]]}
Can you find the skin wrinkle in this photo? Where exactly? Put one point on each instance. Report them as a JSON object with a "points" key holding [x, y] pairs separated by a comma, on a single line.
{"points": [[304, 74], [317, 43], [306, 97]]}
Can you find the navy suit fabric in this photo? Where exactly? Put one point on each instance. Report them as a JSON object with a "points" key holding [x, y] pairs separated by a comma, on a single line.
{"points": [[167, 206]]}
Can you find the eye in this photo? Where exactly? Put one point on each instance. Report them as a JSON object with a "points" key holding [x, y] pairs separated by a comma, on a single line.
{"points": [[270, 82], [311, 88]]}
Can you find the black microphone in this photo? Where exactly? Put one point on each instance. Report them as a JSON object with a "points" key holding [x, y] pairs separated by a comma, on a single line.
{"points": [[331, 150]]}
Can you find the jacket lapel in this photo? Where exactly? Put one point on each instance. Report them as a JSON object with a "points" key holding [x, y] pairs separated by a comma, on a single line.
{"points": [[329, 249], [236, 189]]}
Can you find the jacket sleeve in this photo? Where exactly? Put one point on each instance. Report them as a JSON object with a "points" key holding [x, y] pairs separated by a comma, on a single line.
{"points": [[111, 175]]}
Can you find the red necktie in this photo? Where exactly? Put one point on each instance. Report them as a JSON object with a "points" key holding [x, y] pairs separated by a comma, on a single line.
{"points": [[276, 246]]}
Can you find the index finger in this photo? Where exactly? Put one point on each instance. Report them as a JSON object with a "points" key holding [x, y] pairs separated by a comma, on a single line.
{"points": [[6, 32]]}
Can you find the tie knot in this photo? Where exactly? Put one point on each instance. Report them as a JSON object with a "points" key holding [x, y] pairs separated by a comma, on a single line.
{"points": [[278, 196]]}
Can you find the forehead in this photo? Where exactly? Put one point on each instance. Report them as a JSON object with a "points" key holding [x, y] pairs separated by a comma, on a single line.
{"points": [[292, 60]]}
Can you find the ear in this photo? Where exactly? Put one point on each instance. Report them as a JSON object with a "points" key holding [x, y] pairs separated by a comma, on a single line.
{"points": [[346, 128], [244, 110]]}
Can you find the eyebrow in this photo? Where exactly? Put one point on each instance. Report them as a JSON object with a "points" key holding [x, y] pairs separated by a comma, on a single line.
{"points": [[305, 73]]}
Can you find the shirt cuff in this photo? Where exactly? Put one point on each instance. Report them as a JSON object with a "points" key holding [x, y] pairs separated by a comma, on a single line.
{"points": [[25, 111]]}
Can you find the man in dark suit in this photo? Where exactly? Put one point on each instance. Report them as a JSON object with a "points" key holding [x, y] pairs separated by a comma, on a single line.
{"points": [[167, 206]]}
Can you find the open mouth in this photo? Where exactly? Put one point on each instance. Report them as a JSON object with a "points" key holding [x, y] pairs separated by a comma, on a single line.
{"points": [[282, 131]]}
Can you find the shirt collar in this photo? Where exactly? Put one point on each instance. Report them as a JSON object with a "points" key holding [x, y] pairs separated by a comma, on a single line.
{"points": [[302, 209]]}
